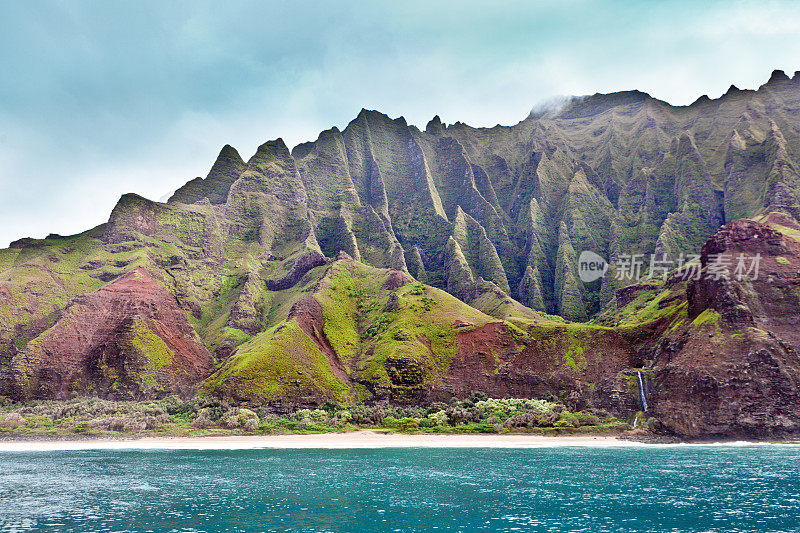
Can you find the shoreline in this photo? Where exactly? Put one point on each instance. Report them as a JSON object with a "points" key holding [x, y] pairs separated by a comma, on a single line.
{"points": [[365, 439]]}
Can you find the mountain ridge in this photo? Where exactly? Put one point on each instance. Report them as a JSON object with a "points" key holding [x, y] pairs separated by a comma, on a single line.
{"points": [[495, 223]]}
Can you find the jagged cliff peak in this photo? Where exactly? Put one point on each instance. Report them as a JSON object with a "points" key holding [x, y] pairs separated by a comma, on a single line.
{"points": [[275, 148], [435, 125], [215, 186], [778, 76]]}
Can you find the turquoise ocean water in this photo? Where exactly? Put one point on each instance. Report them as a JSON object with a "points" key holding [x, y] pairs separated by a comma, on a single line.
{"points": [[675, 488]]}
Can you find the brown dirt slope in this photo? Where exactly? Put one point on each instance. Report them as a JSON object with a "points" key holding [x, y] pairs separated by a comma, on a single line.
{"points": [[127, 340]]}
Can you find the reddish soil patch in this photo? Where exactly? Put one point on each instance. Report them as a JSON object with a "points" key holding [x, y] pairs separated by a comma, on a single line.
{"points": [[91, 348], [395, 280], [309, 316], [492, 360]]}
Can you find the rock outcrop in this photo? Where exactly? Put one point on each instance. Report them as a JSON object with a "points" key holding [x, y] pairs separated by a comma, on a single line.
{"points": [[733, 368]]}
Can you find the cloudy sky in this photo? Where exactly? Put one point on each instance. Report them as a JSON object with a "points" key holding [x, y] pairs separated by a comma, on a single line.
{"points": [[102, 98]]}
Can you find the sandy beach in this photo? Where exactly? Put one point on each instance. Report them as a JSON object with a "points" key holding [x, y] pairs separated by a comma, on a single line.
{"points": [[351, 440]]}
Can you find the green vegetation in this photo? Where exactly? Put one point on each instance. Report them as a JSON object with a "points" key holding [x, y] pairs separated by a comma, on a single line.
{"points": [[575, 358], [151, 346], [707, 317], [650, 305], [400, 340], [210, 416], [279, 362]]}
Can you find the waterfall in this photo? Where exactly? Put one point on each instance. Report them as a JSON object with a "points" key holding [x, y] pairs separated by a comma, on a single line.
{"points": [[641, 391]]}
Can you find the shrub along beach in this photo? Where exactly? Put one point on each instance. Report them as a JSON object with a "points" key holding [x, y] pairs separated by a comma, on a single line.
{"points": [[172, 416]]}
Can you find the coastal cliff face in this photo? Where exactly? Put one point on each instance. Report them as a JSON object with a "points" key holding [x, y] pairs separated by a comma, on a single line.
{"points": [[386, 263], [732, 367]]}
